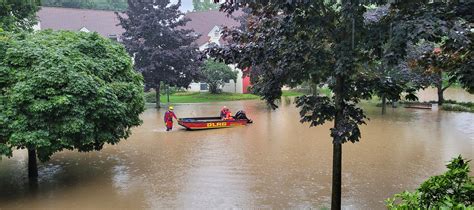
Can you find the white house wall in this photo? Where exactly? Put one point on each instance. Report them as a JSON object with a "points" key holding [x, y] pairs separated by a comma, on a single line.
{"points": [[233, 87], [195, 87]]}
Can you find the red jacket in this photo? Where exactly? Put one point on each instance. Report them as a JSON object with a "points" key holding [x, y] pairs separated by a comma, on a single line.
{"points": [[169, 116]]}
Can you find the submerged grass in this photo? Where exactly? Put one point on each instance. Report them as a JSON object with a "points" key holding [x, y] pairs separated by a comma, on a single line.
{"points": [[456, 106], [197, 97]]}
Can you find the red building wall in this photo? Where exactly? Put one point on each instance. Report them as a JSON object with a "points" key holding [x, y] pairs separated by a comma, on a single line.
{"points": [[246, 81]]}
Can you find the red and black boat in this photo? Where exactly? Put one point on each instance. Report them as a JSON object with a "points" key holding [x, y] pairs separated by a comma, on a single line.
{"points": [[197, 123]]}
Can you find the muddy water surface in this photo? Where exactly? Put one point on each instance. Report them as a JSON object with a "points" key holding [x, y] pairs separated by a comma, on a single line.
{"points": [[275, 162]]}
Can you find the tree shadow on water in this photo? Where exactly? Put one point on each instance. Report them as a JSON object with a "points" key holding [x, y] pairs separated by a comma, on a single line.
{"points": [[54, 177]]}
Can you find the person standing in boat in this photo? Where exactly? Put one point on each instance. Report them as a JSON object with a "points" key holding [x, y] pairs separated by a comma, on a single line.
{"points": [[169, 118]]}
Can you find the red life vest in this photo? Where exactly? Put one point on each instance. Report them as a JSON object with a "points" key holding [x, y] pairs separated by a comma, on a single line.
{"points": [[228, 116]]}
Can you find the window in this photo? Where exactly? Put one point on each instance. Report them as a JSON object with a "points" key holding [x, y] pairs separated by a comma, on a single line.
{"points": [[204, 86], [113, 37]]}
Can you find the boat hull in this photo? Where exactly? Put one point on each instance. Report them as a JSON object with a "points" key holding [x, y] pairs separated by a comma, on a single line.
{"points": [[200, 123]]}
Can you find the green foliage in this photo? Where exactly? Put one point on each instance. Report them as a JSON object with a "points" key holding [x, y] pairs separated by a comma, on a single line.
{"points": [[66, 90], [18, 15], [116, 5], [453, 189], [217, 74], [204, 5]]}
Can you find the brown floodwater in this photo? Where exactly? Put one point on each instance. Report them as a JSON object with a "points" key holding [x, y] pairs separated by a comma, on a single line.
{"points": [[276, 162]]}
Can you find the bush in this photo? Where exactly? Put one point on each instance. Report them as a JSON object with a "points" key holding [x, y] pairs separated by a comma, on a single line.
{"points": [[456, 107], [453, 189], [150, 97]]}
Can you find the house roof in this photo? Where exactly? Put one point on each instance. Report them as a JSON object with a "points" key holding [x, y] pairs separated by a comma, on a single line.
{"points": [[106, 22], [203, 22], [102, 22]]}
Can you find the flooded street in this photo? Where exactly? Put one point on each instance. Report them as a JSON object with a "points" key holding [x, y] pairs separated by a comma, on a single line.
{"points": [[276, 162]]}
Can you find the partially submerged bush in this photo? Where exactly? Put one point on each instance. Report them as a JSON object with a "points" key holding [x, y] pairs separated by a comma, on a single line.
{"points": [[456, 107], [453, 189]]}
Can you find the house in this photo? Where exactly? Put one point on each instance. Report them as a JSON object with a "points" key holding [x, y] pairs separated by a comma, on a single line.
{"points": [[208, 24]]}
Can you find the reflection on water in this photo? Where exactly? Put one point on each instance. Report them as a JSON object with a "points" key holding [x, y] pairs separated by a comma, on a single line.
{"points": [[275, 162]]}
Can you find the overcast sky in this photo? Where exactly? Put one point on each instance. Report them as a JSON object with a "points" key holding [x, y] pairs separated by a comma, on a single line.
{"points": [[186, 5]]}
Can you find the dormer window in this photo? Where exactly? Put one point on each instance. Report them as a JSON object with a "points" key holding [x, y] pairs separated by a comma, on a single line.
{"points": [[84, 29]]}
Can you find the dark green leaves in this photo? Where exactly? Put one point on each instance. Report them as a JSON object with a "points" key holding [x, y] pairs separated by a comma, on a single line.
{"points": [[66, 90], [315, 109], [17, 15], [163, 50]]}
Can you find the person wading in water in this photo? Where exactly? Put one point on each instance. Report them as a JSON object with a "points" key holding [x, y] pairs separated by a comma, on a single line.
{"points": [[169, 118]]}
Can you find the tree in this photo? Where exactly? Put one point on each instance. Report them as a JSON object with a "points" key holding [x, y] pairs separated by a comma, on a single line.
{"points": [[447, 68], [390, 80], [65, 90], [204, 5], [163, 51], [18, 14], [120, 5], [287, 45], [289, 42], [444, 33], [84, 4], [117, 5], [216, 74]]}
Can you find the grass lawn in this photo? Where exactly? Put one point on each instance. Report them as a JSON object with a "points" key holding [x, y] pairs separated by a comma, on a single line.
{"points": [[196, 97]]}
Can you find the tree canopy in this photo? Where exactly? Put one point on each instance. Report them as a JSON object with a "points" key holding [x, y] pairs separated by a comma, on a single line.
{"points": [[216, 74], [204, 5], [163, 51], [65, 90], [18, 14], [117, 5]]}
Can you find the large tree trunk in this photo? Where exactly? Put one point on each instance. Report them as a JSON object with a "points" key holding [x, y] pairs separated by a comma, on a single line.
{"points": [[337, 146], [32, 165], [157, 90], [213, 88], [336, 176], [314, 89], [168, 94], [384, 104], [439, 86], [440, 96]]}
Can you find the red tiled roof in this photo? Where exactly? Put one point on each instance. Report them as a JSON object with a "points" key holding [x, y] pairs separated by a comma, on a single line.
{"points": [[105, 22], [102, 22]]}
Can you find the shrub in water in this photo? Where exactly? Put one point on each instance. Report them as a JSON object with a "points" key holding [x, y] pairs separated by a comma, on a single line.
{"points": [[453, 189]]}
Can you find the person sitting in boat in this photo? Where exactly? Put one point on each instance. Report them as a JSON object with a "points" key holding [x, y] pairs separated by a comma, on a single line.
{"points": [[169, 118], [224, 111], [228, 116]]}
